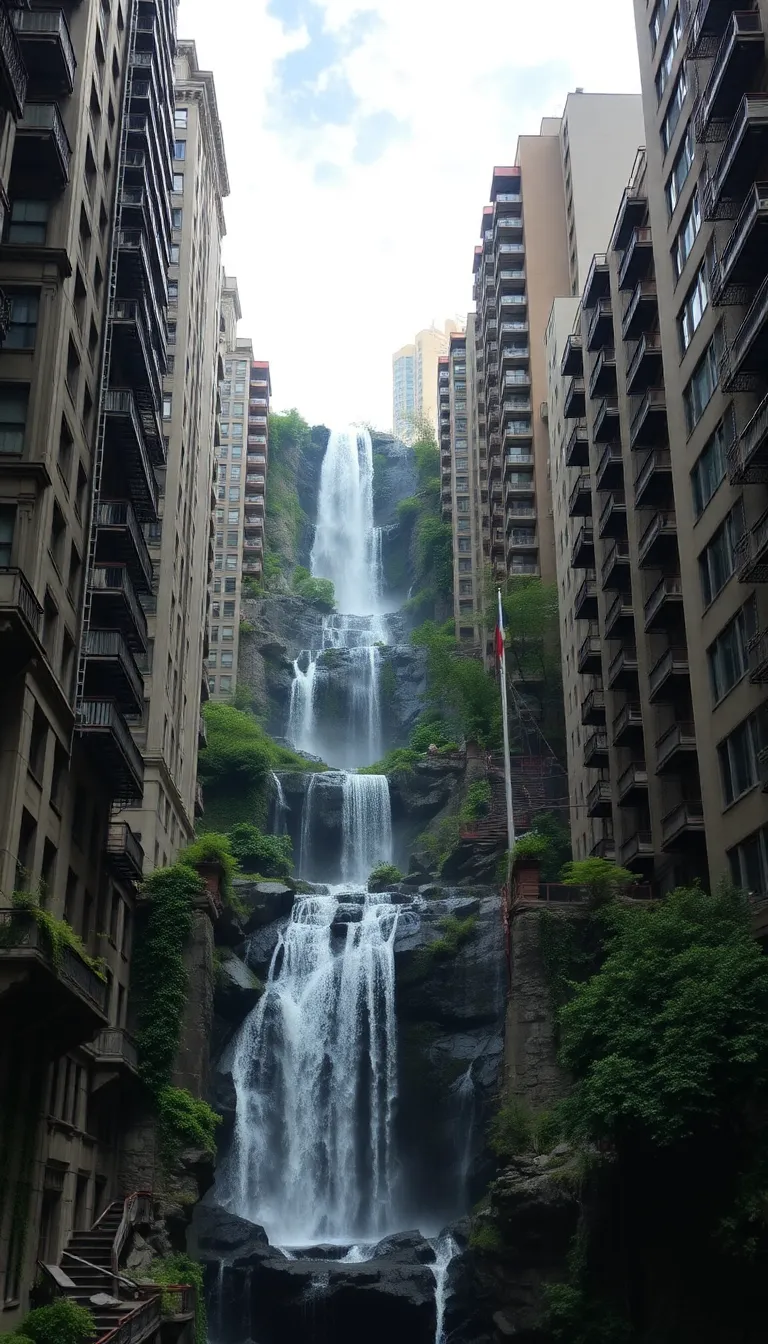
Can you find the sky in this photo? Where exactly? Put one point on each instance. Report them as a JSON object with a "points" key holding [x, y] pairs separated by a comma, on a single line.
{"points": [[360, 138]]}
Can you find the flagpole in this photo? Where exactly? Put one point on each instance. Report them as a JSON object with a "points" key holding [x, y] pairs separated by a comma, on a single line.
{"points": [[505, 719]]}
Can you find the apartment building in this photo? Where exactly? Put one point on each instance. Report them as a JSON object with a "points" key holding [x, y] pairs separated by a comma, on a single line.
{"points": [[404, 392], [548, 212], [85, 158], [180, 544], [701, 250], [241, 491], [458, 474]]}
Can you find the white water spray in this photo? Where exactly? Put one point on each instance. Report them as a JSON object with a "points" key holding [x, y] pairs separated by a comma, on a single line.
{"points": [[346, 550], [445, 1251], [366, 821]]}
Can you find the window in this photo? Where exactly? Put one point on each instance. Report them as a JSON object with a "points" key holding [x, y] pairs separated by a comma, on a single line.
{"points": [[171, 333], [237, 431], [175, 252], [23, 327], [749, 863], [239, 389], [717, 561], [214, 634], [465, 544], [234, 494], [738, 759], [462, 504], [693, 309], [167, 406], [227, 658], [708, 471], [465, 566], [703, 382], [230, 562], [462, 524], [179, 149], [224, 427], [233, 515], [228, 632], [232, 538], [28, 222], [728, 656], [180, 117], [680, 171], [465, 587], [676, 104], [687, 235], [13, 418], [176, 217], [462, 482], [173, 289], [237, 450], [178, 183], [234, 473], [212, 682], [237, 408], [668, 56], [229, 609], [226, 683], [7, 521], [230, 585], [657, 21]]}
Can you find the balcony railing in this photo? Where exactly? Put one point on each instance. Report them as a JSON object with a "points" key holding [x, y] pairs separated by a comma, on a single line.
{"points": [[686, 816], [599, 799], [20, 933], [103, 715], [124, 848], [637, 257], [117, 1046], [15, 72], [755, 206], [742, 28], [752, 114], [741, 345], [644, 299], [751, 552], [580, 499], [673, 662], [596, 747], [639, 845], [16, 595], [681, 737], [669, 589], [45, 24], [628, 720], [46, 117], [634, 778]]}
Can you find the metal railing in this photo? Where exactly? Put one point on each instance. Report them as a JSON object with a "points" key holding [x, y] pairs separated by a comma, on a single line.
{"points": [[116, 579], [16, 592], [100, 714], [20, 930], [670, 586], [662, 523], [121, 840], [46, 117], [635, 776], [642, 237], [582, 485], [681, 734], [14, 61], [629, 716], [678, 818], [116, 1043], [675, 657], [120, 513]]}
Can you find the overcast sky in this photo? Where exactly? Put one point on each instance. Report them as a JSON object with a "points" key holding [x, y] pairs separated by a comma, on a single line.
{"points": [[360, 139]]}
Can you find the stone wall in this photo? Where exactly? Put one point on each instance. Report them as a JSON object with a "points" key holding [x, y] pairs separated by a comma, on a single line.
{"points": [[531, 1070]]}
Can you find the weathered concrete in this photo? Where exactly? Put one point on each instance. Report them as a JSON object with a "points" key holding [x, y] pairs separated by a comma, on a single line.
{"points": [[531, 1070]]}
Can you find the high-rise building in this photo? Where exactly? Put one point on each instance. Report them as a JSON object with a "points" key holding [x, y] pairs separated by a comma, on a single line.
{"points": [[404, 392], [458, 473], [241, 491], [548, 212], [87, 148]]}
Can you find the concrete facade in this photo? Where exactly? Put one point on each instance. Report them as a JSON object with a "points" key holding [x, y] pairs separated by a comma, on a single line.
{"points": [[404, 392]]}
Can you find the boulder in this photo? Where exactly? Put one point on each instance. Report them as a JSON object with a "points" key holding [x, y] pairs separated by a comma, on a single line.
{"points": [[217, 1234], [236, 989], [264, 901], [223, 1099]]}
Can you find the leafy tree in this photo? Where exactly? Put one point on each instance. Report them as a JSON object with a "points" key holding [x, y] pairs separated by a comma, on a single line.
{"points": [[62, 1323], [269, 855], [431, 730], [319, 592], [531, 846], [602, 879], [669, 1039]]}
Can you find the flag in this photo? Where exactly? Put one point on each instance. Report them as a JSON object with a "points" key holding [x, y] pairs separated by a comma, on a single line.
{"points": [[498, 642]]}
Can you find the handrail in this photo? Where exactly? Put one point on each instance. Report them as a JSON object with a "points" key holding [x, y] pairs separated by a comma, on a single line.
{"points": [[133, 1207], [99, 1269], [125, 1333]]}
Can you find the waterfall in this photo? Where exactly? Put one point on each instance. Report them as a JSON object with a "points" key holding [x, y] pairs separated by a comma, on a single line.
{"points": [[345, 547], [465, 1128], [301, 711], [315, 1069], [281, 806], [445, 1251], [366, 825], [305, 846]]}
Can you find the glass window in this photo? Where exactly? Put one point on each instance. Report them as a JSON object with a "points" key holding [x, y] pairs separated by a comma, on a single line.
{"points": [[234, 494], [214, 634], [232, 538], [680, 170], [668, 55], [229, 609], [462, 524], [687, 235], [728, 656], [749, 863], [230, 562], [234, 473], [237, 408], [227, 658], [239, 389], [224, 427], [175, 253], [236, 430], [709, 470], [28, 222], [230, 585], [233, 515], [179, 149], [717, 561], [738, 759], [676, 103], [171, 333], [23, 327], [657, 21], [13, 419], [462, 504], [7, 522], [228, 632], [237, 450], [176, 217], [167, 406], [693, 309], [465, 544], [180, 118], [178, 183], [703, 382], [226, 683]]}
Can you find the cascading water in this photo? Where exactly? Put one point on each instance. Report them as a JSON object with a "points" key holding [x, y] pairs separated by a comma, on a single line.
{"points": [[445, 1251], [346, 549], [366, 825], [315, 1071]]}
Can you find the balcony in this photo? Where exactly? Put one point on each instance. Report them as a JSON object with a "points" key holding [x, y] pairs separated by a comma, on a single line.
{"points": [[583, 549], [577, 446], [572, 363], [743, 151], [114, 605], [593, 709], [615, 571], [498, 547], [115, 1049], [733, 69], [744, 260], [104, 732], [610, 469], [758, 658], [664, 607], [599, 799], [125, 856], [517, 512], [641, 311], [637, 260], [121, 541], [596, 750], [669, 677], [749, 348], [604, 849], [518, 431], [709, 21], [202, 733], [41, 153], [751, 553], [598, 283], [632, 212], [514, 357], [21, 622], [13, 74], [134, 352], [600, 330], [590, 659], [646, 367], [111, 671], [627, 726], [649, 423], [61, 991], [683, 826], [653, 482], [603, 376], [613, 516], [494, 467], [676, 749], [622, 670], [518, 484], [46, 48], [575, 403], [620, 617], [580, 499], [606, 423], [632, 786], [658, 544], [521, 539], [585, 603], [637, 850]]}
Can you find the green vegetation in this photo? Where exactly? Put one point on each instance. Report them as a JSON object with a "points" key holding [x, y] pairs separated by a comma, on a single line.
{"points": [[289, 435], [517, 1128], [601, 879], [486, 1238], [477, 800], [455, 933], [57, 934], [532, 628], [431, 730], [235, 766], [267, 855], [429, 538], [246, 627], [530, 846], [158, 975], [573, 1317], [385, 875], [212, 848], [180, 1269], [552, 828], [319, 592], [459, 690], [63, 1322], [400, 760], [184, 1122]]}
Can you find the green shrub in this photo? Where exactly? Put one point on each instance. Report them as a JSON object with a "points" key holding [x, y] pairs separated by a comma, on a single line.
{"points": [[477, 801], [530, 846], [181, 1269], [320, 592], [572, 1317], [402, 759], [455, 933], [486, 1238], [57, 933], [211, 847], [185, 1122], [268, 855], [62, 1323], [516, 1128], [159, 979], [385, 873], [601, 879]]}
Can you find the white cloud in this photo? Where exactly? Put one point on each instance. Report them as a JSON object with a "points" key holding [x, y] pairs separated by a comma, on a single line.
{"points": [[347, 238]]}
